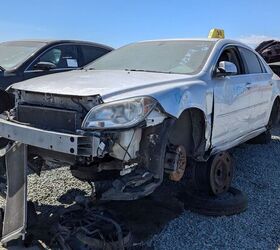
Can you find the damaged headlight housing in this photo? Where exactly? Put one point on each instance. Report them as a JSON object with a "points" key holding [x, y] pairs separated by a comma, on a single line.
{"points": [[119, 114]]}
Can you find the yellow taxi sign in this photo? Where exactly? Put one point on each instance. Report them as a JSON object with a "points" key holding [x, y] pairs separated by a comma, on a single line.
{"points": [[216, 33]]}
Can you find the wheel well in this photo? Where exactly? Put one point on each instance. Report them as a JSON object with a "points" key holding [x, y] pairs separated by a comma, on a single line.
{"points": [[189, 130], [275, 113]]}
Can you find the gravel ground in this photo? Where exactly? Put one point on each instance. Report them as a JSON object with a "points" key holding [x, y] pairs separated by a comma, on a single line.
{"points": [[257, 174]]}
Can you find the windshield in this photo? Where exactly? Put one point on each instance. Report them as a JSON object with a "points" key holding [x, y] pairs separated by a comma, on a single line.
{"points": [[15, 53], [178, 57]]}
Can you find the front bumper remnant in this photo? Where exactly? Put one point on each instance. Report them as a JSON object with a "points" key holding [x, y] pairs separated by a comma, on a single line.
{"points": [[15, 220], [16, 200], [72, 144]]}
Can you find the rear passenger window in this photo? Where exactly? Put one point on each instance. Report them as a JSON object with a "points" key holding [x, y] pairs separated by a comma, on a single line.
{"points": [[91, 53], [251, 61]]}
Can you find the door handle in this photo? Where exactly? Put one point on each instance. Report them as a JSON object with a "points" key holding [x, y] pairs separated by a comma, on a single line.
{"points": [[248, 85]]}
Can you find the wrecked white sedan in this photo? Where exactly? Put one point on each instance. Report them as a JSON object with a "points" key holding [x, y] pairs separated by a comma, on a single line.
{"points": [[139, 112]]}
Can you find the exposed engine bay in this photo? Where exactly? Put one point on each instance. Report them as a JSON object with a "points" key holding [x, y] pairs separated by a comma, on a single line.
{"points": [[114, 162]]}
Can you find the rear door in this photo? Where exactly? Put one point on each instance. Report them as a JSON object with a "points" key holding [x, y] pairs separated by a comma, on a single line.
{"points": [[260, 84]]}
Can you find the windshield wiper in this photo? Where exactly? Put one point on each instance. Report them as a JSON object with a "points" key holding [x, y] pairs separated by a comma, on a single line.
{"points": [[140, 70], [146, 70], [1, 68]]}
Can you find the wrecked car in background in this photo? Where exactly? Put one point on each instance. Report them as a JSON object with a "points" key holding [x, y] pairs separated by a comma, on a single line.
{"points": [[139, 112], [270, 51]]}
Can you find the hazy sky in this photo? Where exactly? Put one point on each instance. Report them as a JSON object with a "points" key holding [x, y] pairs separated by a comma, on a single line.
{"points": [[118, 22]]}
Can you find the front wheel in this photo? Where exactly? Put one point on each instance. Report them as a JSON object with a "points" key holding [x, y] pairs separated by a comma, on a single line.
{"points": [[214, 176]]}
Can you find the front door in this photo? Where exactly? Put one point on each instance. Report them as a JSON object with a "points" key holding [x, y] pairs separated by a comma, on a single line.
{"points": [[233, 107]]}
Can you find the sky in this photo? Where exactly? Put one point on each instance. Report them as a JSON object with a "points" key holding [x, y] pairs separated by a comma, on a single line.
{"points": [[118, 22]]}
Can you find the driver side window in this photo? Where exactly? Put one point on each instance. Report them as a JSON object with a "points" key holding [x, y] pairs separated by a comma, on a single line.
{"points": [[62, 56], [230, 55]]}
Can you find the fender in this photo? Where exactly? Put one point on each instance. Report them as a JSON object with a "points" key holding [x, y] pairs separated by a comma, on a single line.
{"points": [[198, 95]]}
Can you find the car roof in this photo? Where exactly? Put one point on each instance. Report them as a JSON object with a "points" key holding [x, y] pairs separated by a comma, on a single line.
{"points": [[195, 39], [220, 41], [53, 42], [182, 39]]}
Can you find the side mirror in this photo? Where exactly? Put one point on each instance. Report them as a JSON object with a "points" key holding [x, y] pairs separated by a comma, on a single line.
{"points": [[44, 66], [226, 69]]}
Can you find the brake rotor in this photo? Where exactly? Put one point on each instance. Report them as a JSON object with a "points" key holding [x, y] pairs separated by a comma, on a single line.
{"points": [[180, 164], [221, 173]]}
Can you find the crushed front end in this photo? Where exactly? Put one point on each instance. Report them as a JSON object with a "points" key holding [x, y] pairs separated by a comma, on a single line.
{"points": [[117, 147]]}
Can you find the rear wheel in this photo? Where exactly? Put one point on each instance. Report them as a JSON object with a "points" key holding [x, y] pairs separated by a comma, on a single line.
{"points": [[274, 119], [263, 138]]}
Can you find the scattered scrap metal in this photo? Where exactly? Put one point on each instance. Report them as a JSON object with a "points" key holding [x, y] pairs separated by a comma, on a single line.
{"points": [[86, 227]]}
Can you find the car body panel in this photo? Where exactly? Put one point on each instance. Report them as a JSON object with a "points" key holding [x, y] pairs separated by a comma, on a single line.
{"points": [[166, 88], [238, 107], [174, 92]]}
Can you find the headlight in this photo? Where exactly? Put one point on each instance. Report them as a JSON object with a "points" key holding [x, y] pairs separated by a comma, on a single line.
{"points": [[119, 114]]}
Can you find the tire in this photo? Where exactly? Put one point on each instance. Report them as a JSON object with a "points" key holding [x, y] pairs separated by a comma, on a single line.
{"points": [[264, 138], [214, 176], [274, 118], [230, 203]]}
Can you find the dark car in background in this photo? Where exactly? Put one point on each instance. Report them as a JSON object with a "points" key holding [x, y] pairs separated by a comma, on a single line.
{"points": [[21, 60], [270, 51]]}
